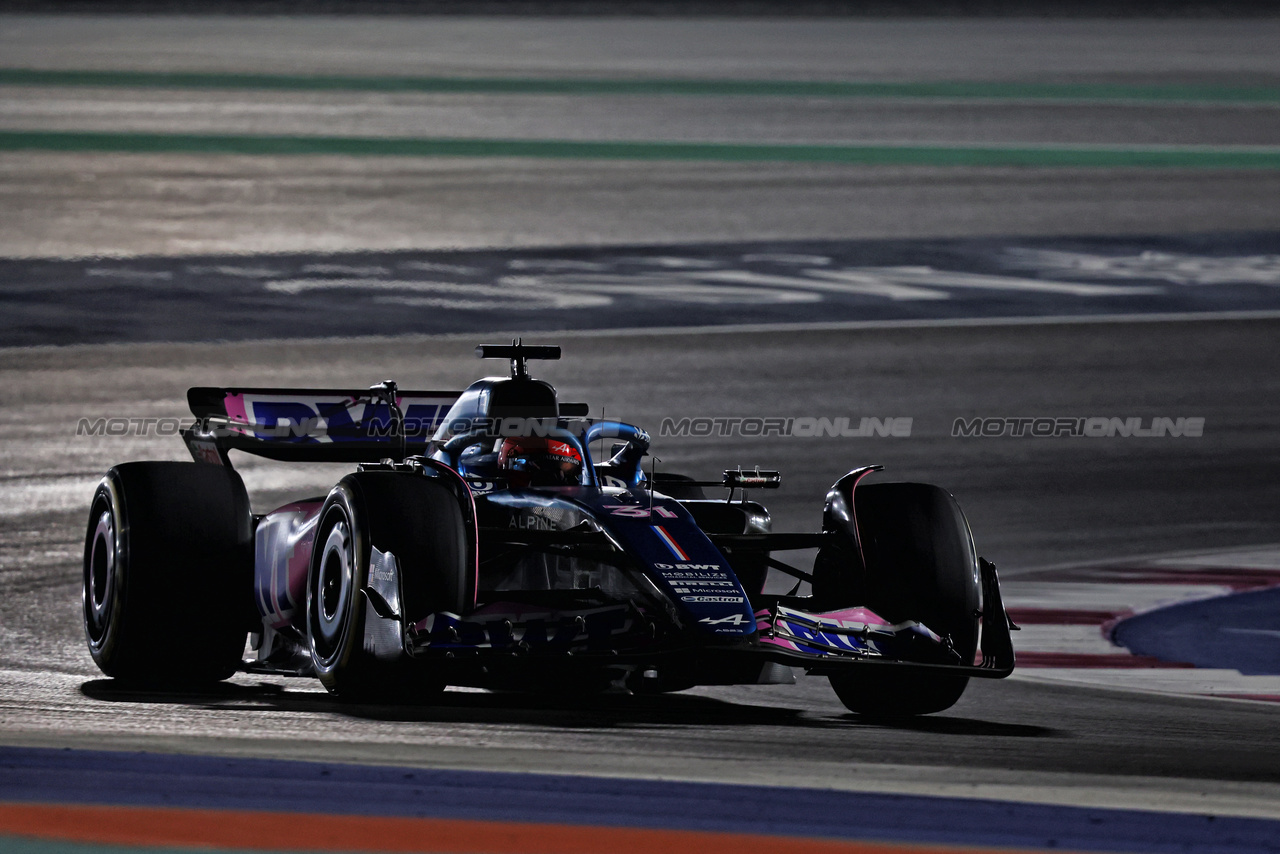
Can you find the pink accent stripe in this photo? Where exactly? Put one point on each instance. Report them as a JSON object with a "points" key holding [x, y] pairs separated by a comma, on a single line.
{"points": [[234, 404], [1097, 661], [1235, 579], [1063, 616]]}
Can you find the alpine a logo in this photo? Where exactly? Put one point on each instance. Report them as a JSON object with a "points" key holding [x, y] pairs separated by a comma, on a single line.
{"points": [[731, 619]]}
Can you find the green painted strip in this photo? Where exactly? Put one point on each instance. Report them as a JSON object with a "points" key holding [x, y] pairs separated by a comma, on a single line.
{"points": [[27, 845], [569, 86], [19, 845], [923, 155]]}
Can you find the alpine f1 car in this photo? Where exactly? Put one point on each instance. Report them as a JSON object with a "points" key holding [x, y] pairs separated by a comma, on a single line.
{"points": [[479, 542]]}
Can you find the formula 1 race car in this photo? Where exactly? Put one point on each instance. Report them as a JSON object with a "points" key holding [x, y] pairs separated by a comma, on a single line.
{"points": [[479, 543]]}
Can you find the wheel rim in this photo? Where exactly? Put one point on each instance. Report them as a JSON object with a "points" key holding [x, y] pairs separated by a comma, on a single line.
{"points": [[331, 591], [100, 581]]}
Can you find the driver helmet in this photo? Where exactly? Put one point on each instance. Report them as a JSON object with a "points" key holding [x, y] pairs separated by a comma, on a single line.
{"points": [[538, 461]]}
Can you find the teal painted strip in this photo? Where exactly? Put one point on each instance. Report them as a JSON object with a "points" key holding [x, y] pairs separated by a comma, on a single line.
{"points": [[26, 845], [912, 155], [955, 90], [22, 845]]}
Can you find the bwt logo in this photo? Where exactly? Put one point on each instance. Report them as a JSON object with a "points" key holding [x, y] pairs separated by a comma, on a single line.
{"points": [[686, 566], [1095, 427]]}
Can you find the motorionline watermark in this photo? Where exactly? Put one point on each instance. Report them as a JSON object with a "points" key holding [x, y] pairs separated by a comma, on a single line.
{"points": [[127, 426], [700, 427], [1090, 427], [317, 427], [786, 426]]}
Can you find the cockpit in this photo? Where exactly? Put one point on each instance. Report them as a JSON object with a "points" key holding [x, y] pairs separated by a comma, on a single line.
{"points": [[514, 430]]}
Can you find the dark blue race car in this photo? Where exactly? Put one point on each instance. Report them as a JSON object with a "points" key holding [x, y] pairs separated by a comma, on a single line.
{"points": [[478, 542]]}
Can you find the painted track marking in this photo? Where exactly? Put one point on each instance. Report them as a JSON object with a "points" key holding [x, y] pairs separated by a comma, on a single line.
{"points": [[1067, 615]]}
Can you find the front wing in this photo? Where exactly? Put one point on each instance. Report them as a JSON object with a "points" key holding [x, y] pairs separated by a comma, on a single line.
{"points": [[598, 634]]}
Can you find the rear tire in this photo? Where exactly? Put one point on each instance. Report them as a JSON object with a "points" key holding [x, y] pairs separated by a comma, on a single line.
{"points": [[167, 571], [418, 520], [920, 565]]}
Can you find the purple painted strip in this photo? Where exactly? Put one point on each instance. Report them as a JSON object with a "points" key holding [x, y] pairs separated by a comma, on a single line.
{"points": [[70, 776]]}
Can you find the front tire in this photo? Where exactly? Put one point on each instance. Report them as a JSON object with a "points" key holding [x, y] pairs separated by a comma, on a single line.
{"points": [[167, 568], [920, 565], [335, 623], [419, 521]]}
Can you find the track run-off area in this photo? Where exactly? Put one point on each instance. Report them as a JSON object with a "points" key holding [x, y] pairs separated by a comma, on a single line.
{"points": [[933, 222]]}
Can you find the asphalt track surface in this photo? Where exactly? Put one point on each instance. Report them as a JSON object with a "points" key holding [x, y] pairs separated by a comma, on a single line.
{"points": [[1118, 90], [1033, 502]]}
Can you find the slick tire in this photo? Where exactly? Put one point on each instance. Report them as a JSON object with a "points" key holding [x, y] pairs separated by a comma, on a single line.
{"points": [[420, 521], [921, 565], [167, 573]]}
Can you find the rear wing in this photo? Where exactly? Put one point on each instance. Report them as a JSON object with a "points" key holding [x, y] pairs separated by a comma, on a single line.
{"points": [[311, 424]]}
